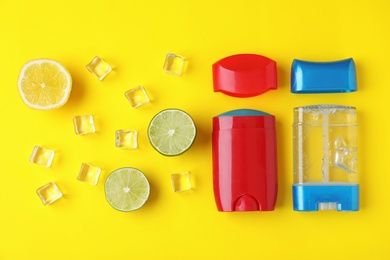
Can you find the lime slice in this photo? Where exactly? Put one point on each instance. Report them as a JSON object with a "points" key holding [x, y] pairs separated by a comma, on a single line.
{"points": [[127, 189], [172, 132]]}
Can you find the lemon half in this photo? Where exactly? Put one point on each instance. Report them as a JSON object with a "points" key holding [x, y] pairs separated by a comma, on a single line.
{"points": [[44, 84]]}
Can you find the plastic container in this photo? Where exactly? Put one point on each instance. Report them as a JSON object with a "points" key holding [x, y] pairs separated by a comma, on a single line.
{"points": [[244, 161], [325, 146]]}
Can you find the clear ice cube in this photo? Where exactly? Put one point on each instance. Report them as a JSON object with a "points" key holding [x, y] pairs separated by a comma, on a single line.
{"points": [[89, 173], [126, 139], [99, 68], [181, 181], [42, 156], [137, 96], [173, 64], [84, 124], [49, 193]]}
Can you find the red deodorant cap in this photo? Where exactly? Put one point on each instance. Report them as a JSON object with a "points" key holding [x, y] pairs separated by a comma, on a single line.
{"points": [[244, 75]]}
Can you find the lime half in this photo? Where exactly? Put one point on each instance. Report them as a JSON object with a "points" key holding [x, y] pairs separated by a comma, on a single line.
{"points": [[172, 132], [127, 189]]}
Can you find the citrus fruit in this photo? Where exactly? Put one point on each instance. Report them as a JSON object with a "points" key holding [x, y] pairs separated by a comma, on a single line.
{"points": [[44, 84], [172, 132], [127, 189]]}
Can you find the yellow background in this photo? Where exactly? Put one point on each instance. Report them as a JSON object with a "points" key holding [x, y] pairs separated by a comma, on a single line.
{"points": [[134, 36]]}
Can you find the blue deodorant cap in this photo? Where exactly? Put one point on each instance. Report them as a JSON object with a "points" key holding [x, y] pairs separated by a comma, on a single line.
{"points": [[323, 77]]}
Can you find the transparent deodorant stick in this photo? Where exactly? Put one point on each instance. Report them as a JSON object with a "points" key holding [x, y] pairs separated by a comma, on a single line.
{"points": [[325, 156]]}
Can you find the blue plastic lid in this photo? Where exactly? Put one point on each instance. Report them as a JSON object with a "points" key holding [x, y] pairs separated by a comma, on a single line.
{"points": [[323, 77]]}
